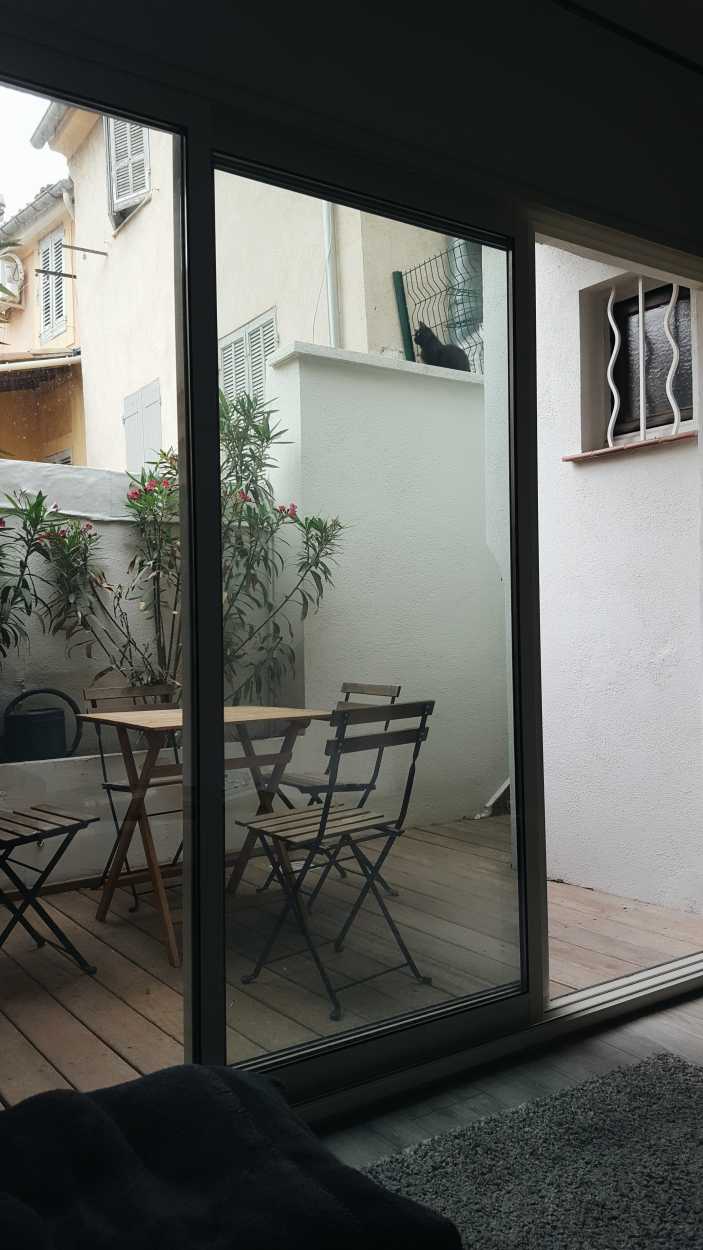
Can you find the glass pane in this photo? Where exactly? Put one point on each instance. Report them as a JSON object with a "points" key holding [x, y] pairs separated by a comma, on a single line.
{"points": [[90, 617], [619, 490], [364, 426]]}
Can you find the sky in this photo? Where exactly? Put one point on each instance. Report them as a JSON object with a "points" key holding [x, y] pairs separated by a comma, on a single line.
{"points": [[23, 169]]}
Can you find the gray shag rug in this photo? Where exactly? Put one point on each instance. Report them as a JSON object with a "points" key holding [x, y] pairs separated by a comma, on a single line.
{"points": [[615, 1164]]}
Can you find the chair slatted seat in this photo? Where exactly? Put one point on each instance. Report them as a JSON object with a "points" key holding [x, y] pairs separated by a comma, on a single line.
{"points": [[22, 827], [327, 832]]}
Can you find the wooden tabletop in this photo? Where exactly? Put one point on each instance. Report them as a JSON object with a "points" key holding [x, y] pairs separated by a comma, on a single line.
{"points": [[169, 719]]}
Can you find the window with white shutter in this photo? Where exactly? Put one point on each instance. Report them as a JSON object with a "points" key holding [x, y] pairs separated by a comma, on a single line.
{"points": [[243, 356], [141, 418], [129, 171], [52, 287]]}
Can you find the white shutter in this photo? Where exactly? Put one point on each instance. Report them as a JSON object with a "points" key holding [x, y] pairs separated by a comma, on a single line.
{"points": [[45, 251], [141, 418], [59, 294], [151, 421], [257, 361], [52, 292], [133, 433], [128, 161], [243, 356], [233, 377]]}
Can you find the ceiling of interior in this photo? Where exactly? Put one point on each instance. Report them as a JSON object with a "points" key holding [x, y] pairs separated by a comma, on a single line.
{"points": [[676, 26]]}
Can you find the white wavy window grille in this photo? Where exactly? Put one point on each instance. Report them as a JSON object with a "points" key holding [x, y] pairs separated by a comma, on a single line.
{"points": [[645, 357]]}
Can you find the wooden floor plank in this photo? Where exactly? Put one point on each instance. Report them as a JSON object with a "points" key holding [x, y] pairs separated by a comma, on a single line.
{"points": [[23, 1069], [83, 1059], [135, 1039]]}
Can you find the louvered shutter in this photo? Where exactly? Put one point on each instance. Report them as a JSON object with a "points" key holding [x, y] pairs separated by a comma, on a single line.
{"points": [[45, 253], [52, 290], [261, 343], [59, 294], [234, 366], [243, 357], [128, 156]]}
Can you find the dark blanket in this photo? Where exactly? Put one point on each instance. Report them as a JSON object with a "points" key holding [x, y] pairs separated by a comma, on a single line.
{"points": [[190, 1157]]}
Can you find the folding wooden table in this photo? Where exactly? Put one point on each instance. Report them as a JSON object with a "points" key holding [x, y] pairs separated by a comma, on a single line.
{"points": [[156, 725]]}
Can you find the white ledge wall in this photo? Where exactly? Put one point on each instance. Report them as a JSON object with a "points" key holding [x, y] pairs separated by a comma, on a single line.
{"points": [[621, 634], [397, 451]]}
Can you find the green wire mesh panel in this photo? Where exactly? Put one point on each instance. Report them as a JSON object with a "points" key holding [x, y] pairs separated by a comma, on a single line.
{"points": [[445, 293]]}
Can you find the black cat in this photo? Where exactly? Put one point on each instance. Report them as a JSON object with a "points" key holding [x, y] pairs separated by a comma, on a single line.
{"points": [[432, 352]]}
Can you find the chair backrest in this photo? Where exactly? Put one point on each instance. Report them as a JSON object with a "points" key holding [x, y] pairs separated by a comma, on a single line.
{"points": [[356, 688], [380, 738], [104, 698], [378, 692]]}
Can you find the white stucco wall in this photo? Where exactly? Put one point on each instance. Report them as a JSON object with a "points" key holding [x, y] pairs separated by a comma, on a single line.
{"points": [[270, 254], [621, 634], [397, 451], [126, 305]]}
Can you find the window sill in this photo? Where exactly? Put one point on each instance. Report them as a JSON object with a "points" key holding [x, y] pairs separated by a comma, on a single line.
{"points": [[624, 448]]}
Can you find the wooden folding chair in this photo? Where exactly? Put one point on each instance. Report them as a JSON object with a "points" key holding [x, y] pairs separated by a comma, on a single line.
{"points": [[104, 698], [341, 832], [32, 826], [315, 785]]}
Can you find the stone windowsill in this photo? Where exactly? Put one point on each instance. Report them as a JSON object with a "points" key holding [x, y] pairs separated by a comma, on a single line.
{"points": [[620, 449]]}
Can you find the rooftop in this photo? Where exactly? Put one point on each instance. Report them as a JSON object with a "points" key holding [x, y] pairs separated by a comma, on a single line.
{"points": [[43, 202]]}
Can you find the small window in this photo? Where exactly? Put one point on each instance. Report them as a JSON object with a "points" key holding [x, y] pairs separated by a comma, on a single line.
{"points": [[243, 356], [141, 418], [52, 286], [657, 362], [128, 167]]}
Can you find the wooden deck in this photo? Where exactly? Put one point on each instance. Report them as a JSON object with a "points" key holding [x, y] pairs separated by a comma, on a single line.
{"points": [[457, 911]]}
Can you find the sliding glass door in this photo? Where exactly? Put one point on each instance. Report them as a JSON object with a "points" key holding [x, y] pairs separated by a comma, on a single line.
{"points": [[372, 868], [293, 532]]}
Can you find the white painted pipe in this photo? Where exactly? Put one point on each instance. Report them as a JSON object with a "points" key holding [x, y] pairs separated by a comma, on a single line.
{"points": [[643, 374], [331, 272], [48, 362]]}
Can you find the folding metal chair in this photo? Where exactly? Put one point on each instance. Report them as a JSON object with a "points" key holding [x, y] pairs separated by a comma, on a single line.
{"points": [[338, 831], [315, 786], [130, 698], [29, 827]]}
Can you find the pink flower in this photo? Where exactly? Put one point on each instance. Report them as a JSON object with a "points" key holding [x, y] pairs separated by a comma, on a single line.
{"points": [[281, 508], [2, 522], [151, 485], [243, 496], [63, 533], [87, 527], [134, 493], [166, 484], [292, 511], [54, 507]]}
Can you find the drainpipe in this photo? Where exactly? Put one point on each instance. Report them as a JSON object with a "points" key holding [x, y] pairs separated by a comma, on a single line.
{"points": [[331, 272]]}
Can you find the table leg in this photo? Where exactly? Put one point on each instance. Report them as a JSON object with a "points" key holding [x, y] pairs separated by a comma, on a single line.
{"points": [[267, 793], [137, 815]]}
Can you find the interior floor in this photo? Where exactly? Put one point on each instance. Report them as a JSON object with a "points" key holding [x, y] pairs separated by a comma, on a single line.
{"points": [[493, 1089]]}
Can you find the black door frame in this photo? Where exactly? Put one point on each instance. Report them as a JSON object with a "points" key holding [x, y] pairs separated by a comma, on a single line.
{"points": [[212, 134]]}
